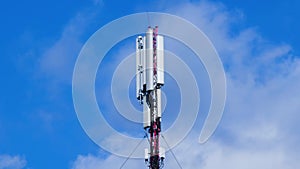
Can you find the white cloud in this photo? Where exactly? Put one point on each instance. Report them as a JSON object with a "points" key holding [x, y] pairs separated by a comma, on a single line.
{"points": [[260, 124], [12, 162], [58, 60], [209, 156], [87, 162], [94, 162], [217, 155], [47, 120], [98, 2]]}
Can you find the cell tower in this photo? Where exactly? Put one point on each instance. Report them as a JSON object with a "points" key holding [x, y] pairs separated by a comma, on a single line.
{"points": [[149, 80]]}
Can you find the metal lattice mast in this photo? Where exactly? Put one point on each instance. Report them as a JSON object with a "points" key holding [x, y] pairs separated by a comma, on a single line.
{"points": [[149, 80]]}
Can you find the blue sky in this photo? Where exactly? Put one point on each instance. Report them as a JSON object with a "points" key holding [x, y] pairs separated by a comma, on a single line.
{"points": [[258, 43]]}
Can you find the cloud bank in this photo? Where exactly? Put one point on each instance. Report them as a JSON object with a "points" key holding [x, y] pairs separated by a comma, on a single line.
{"points": [[12, 162]]}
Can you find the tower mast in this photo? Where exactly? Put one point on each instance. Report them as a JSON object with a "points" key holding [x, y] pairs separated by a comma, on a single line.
{"points": [[149, 80]]}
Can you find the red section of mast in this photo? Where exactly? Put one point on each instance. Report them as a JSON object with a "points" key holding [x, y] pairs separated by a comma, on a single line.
{"points": [[154, 129]]}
